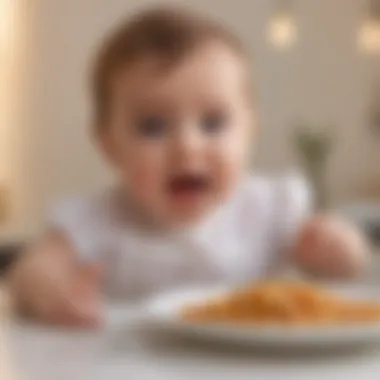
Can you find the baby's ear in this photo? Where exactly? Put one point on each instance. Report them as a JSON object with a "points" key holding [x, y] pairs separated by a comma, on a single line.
{"points": [[106, 144]]}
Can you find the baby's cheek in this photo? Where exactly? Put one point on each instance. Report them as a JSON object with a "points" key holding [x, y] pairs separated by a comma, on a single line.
{"points": [[145, 180], [230, 161], [226, 179]]}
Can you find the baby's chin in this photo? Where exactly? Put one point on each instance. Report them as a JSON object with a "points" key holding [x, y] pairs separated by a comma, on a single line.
{"points": [[186, 215], [187, 218]]}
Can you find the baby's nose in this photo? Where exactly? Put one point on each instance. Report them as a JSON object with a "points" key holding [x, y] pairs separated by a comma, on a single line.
{"points": [[188, 145]]}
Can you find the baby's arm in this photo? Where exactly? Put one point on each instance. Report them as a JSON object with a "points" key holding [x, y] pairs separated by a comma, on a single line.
{"points": [[329, 246], [49, 284]]}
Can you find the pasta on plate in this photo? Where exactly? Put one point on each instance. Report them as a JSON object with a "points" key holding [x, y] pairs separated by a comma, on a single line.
{"points": [[282, 303]]}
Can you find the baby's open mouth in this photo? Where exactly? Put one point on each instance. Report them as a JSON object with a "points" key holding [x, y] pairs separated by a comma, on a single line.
{"points": [[189, 185]]}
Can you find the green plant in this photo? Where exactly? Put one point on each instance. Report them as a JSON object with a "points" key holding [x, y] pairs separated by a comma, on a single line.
{"points": [[314, 145]]}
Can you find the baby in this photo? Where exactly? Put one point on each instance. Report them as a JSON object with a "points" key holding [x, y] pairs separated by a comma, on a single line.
{"points": [[174, 116]]}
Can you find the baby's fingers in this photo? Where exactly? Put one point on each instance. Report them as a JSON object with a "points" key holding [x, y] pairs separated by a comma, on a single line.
{"points": [[79, 317], [78, 304], [68, 307], [70, 312], [89, 279]]}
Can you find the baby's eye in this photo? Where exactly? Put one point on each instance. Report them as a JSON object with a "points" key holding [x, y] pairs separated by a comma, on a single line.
{"points": [[152, 127], [213, 123]]}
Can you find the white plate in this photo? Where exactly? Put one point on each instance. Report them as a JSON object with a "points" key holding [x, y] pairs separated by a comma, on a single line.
{"points": [[162, 312]]}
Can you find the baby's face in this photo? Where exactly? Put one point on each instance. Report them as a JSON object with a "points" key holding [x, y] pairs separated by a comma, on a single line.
{"points": [[179, 137]]}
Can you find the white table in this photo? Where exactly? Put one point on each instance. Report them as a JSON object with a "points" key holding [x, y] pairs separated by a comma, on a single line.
{"points": [[40, 353], [121, 354]]}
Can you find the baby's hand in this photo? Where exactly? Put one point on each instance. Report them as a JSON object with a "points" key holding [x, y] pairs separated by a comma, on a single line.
{"points": [[73, 301], [49, 285], [329, 246]]}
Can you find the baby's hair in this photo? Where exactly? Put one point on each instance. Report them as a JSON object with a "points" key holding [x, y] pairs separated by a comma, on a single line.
{"points": [[166, 33]]}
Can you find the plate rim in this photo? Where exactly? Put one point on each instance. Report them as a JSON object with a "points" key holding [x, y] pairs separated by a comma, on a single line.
{"points": [[263, 334]]}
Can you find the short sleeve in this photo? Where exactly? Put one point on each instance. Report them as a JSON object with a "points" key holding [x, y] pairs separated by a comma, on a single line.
{"points": [[293, 202], [78, 219]]}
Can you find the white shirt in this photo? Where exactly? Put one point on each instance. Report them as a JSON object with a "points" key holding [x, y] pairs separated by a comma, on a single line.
{"points": [[243, 240]]}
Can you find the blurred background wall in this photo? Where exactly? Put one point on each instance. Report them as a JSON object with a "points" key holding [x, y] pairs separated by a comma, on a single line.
{"points": [[323, 79]]}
